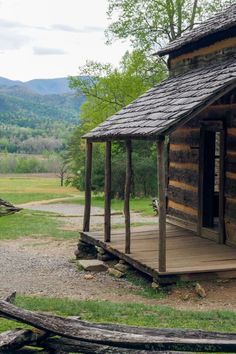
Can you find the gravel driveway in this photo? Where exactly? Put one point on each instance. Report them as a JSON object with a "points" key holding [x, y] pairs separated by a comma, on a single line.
{"points": [[43, 266]]}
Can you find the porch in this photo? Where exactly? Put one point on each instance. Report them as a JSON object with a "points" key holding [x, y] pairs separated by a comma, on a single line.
{"points": [[188, 257]]}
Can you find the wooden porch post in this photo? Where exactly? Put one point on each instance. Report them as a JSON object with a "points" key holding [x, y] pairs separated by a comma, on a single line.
{"points": [[88, 178], [161, 175], [127, 194], [107, 216]]}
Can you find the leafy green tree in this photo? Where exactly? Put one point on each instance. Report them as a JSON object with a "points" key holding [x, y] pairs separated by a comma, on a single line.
{"points": [[150, 24], [108, 90]]}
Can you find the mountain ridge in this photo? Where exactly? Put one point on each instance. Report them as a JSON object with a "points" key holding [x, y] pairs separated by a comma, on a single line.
{"points": [[41, 86], [43, 109]]}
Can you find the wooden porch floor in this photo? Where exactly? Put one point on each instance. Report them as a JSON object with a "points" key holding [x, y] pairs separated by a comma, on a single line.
{"points": [[188, 256]]}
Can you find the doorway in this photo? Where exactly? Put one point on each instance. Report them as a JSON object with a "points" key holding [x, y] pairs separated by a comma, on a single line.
{"points": [[211, 181]]}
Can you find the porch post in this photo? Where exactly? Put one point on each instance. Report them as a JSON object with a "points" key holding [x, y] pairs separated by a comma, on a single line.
{"points": [[161, 175], [88, 177], [107, 215], [127, 194]]}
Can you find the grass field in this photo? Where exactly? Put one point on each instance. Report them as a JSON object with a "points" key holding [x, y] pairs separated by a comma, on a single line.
{"points": [[19, 190], [29, 223], [142, 205], [130, 313]]}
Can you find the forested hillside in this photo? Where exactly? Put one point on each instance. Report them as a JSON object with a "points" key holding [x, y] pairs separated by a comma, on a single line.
{"points": [[37, 116]]}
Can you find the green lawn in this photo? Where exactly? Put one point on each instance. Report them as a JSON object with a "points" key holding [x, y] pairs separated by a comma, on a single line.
{"points": [[33, 224], [130, 314], [18, 190], [142, 205]]}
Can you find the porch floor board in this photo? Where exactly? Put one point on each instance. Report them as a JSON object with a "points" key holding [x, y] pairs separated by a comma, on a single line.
{"points": [[187, 254]]}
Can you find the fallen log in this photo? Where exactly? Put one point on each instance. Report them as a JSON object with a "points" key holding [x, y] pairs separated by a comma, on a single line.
{"points": [[66, 345], [124, 337], [6, 208], [18, 338]]}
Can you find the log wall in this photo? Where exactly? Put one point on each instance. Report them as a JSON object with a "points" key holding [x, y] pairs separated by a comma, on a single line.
{"points": [[230, 180], [183, 172]]}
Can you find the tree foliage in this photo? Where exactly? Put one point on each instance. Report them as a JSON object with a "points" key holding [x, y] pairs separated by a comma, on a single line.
{"points": [[150, 24]]}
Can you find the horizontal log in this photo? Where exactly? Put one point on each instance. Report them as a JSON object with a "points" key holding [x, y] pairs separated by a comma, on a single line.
{"points": [[230, 187], [181, 215], [183, 208], [125, 337], [71, 345], [231, 120], [184, 197], [188, 156], [231, 131], [221, 112], [184, 165], [182, 185], [191, 139], [231, 143], [230, 208], [184, 176], [231, 153], [230, 166], [185, 131], [18, 338]]}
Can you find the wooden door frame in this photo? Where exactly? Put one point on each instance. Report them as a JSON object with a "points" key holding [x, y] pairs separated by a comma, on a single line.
{"points": [[214, 126]]}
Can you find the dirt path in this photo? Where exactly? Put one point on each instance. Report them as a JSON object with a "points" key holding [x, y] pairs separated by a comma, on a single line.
{"points": [[44, 267]]}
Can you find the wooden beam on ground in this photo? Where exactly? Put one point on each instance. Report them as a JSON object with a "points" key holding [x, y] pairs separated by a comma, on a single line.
{"points": [[128, 181], [161, 175], [18, 338], [88, 179], [107, 215], [128, 339]]}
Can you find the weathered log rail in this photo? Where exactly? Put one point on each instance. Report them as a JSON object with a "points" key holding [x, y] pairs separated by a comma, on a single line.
{"points": [[6, 208], [56, 334]]}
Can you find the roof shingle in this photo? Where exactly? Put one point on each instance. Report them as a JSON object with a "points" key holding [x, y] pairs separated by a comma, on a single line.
{"points": [[220, 22], [168, 104]]}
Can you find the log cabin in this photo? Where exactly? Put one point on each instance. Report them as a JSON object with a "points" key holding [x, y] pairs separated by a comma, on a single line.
{"points": [[191, 117]]}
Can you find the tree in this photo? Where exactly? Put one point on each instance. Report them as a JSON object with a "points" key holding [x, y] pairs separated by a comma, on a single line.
{"points": [[109, 89], [150, 24]]}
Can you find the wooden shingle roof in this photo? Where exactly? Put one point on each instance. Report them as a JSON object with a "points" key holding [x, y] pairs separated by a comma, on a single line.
{"points": [[169, 104], [220, 22]]}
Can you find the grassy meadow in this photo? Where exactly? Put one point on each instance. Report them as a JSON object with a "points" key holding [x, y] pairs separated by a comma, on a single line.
{"points": [[130, 314], [29, 223], [20, 189], [30, 188]]}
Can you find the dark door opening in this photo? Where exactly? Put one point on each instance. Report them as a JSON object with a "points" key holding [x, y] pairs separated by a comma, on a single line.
{"points": [[211, 181]]}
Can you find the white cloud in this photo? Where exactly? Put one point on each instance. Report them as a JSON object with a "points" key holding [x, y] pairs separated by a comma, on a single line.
{"points": [[49, 38], [48, 51]]}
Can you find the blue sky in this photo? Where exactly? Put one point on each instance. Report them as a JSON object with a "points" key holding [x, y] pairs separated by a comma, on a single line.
{"points": [[51, 38]]}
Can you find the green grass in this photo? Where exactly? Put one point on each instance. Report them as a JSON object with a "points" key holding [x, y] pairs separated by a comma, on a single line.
{"points": [[142, 205], [130, 314], [33, 224], [19, 190]]}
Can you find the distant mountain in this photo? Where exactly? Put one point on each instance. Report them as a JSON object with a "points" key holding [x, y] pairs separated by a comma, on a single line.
{"points": [[49, 86], [41, 86], [45, 108]]}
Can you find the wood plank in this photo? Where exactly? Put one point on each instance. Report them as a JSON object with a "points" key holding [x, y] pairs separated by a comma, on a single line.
{"points": [[107, 192], [184, 165], [187, 254], [128, 181], [185, 209], [88, 181], [182, 185], [161, 177]]}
